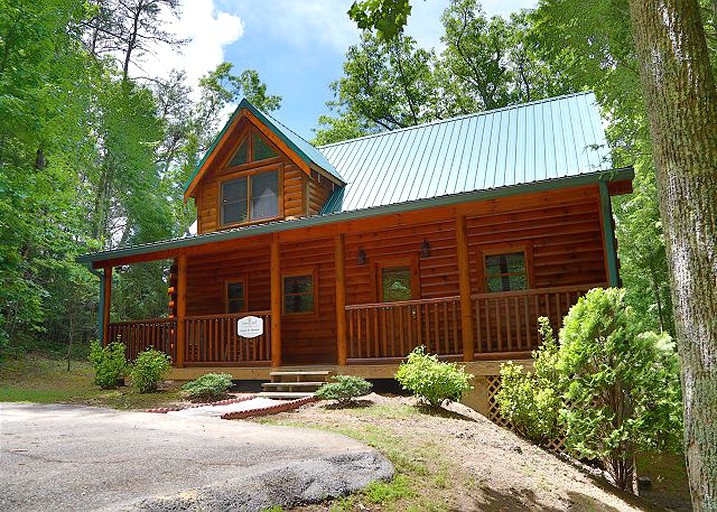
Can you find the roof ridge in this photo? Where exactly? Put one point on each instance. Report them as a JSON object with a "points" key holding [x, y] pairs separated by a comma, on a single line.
{"points": [[457, 118]]}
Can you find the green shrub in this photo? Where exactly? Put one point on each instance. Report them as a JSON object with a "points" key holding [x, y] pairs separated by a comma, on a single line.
{"points": [[207, 388], [149, 370], [531, 402], [344, 388], [621, 385], [109, 363], [431, 380]]}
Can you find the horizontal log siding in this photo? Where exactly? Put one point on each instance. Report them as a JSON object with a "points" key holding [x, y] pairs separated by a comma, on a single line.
{"points": [[438, 272], [319, 192], [566, 239], [311, 338], [206, 276]]}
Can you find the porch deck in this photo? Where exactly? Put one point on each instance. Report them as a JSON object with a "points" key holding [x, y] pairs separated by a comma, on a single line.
{"points": [[502, 326]]}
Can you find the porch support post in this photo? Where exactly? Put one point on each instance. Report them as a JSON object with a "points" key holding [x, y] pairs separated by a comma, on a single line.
{"points": [[181, 308], [275, 303], [464, 285], [608, 233], [106, 303], [340, 262]]}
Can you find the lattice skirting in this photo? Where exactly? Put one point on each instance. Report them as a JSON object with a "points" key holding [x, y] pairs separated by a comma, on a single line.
{"points": [[494, 384]]}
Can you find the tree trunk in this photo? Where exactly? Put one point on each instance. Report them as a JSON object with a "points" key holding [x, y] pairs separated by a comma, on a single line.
{"points": [[681, 96]]}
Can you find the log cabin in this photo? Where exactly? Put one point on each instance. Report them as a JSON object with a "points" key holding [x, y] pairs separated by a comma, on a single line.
{"points": [[455, 235]]}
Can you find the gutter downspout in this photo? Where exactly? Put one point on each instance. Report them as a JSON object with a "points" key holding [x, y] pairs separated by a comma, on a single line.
{"points": [[610, 246], [101, 305]]}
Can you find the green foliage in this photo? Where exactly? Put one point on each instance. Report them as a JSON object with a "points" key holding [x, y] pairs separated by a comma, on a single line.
{"points": [[621, 384], [532, 401], [207, 388], [387, 17], [109, 364], [344, 388], [149, 369], [431, 380]]}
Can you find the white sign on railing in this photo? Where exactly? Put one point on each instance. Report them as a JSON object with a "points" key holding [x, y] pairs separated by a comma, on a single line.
{"points": [[250, 327]]}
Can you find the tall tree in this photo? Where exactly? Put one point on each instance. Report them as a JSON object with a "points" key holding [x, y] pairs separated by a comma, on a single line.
{"points": [[679, 87]]}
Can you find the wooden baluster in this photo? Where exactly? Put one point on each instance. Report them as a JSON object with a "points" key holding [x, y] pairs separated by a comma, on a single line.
{"points": [[385, 338], [508, 323], [490, 339], [359, 313], [479, 325], [518, 322], [376, 341], [446, 330], [499, 324], [528, 327], [350, 314], [419, 324], [558, 309], [454, 319], [436, 328]]}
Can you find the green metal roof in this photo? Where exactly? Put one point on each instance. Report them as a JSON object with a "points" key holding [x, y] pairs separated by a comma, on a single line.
{"points": [[308, 153], [542, 140]]}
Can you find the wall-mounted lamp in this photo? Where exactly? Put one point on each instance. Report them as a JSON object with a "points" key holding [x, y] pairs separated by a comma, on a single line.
{"points": [[425, 249], [361, 257]]}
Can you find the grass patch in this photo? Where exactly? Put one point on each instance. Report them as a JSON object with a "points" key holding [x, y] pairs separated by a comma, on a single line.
{"points": [[39, 379]]}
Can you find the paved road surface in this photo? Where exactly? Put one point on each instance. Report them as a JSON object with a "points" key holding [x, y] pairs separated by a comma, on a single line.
{"points": [[64, 457]]}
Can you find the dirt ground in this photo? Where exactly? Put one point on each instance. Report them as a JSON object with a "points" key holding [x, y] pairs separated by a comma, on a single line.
{"points": [[457, 460]]}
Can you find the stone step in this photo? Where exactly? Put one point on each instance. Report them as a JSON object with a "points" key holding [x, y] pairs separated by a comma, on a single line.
{"points": [[283, 395], [300, 376]]}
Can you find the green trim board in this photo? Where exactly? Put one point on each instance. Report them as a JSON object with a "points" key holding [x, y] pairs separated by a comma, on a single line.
{"points": [[609, 234], [329, 218]]}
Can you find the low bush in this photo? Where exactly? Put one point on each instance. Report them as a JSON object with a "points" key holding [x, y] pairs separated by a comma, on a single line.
{"points": [[149, 370], [531, 402], [344, 388], [432, 381], [207, 388], [109, 363]]}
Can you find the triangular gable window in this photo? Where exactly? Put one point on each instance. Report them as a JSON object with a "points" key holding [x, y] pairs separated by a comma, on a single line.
{"points": [[252, 149]]}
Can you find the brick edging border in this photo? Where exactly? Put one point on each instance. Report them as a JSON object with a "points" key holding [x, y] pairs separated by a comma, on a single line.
{"points": [[272, 409], [164, 410]]}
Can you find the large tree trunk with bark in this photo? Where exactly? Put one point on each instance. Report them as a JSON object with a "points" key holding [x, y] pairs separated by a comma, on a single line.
{"points": [[679, 87]]}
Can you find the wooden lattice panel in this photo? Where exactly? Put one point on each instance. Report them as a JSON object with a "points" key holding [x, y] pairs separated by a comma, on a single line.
{"points": [[494, 385]]}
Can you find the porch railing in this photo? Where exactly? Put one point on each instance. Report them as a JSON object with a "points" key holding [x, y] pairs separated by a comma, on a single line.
{"points": [[139, 335], [507, 322], [392, 329], [212, 340]]}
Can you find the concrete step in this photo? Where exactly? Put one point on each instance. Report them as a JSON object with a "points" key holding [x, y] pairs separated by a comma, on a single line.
{"points": [[283, 395]]}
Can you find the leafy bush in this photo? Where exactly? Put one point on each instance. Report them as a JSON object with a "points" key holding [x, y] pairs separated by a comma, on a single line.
{"points": [[109, 363], [209, 387], [344, 388], [431, 380], [149, 370], [621, 385], [532, 401]]}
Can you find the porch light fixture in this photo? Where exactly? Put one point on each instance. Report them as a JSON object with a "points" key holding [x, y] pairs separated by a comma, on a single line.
{"points": [[361, 257], [425, 249]]}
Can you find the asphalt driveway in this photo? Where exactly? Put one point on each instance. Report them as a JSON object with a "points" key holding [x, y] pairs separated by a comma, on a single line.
{"points": [[65, 457]]}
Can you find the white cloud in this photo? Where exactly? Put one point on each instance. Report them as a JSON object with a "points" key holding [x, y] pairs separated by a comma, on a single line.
{"points": [[210, 30]]}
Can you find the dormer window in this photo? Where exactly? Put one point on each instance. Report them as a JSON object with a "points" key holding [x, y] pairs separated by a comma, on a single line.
{"points": [[250, 198]]}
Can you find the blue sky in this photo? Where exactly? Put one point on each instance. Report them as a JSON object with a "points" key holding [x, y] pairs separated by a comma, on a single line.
{"points": [[297, 46]]}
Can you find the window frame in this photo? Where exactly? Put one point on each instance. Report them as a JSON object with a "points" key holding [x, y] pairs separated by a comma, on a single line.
{"points": [[234, 280], [249, 133], [300, 272], [247, 174], [411, 262], [495, 249]]}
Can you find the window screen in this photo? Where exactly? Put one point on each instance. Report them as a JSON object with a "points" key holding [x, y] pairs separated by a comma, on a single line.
{"points": [[264, 195], [505, 272], [396, 283], [241, 156], [261, 149], [234, 201], [299, 294], [235, 297]]}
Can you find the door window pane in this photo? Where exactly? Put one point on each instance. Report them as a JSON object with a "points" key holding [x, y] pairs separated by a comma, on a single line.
{"points": [[265, 195], [396, 283], [505, 272], [299, 294], [234, 201], [235, 297]]}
